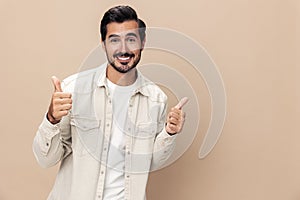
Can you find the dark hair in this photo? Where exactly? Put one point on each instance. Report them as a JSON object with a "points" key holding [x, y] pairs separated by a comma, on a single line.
{"points": [[121, 14]]}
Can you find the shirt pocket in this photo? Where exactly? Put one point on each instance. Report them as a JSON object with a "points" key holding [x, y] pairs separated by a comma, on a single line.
{"points": [[146, 130], [86, 133]]}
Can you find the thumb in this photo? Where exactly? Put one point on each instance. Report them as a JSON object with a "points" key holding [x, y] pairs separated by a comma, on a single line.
{"points": [[182, 102], [56, 83]]}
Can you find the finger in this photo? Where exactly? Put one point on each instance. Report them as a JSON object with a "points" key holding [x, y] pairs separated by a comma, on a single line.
{"points": [[57, 101], [174, 115], [64, 107], [176, 121], [176, 110], [178, 114], [59, 114], [182, 102], [62, 95], [173, 121], [56, 84], [172, 128]]}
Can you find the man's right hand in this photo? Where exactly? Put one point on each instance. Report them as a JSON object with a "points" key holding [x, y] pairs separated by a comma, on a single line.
{"points": [[61, 102]]}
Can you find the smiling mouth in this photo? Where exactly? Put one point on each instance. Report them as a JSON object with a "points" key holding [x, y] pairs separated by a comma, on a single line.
{"points": [[124, 59]]}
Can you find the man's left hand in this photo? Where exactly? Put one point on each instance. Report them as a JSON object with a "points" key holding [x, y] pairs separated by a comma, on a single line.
{"points": [[176, 117]]}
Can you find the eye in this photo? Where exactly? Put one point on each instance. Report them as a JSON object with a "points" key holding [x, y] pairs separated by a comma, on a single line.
{"points": [[131, 39], [114, 40]]}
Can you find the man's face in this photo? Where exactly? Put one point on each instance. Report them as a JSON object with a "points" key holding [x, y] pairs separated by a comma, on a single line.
{"points": [[123, 45]]}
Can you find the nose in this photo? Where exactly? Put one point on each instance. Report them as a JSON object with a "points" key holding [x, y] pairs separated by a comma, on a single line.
{"points": [[124, 48]]}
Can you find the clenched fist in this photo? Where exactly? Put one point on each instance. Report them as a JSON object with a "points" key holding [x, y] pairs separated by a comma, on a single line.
{"points": [[175, 118], [61, 103]]}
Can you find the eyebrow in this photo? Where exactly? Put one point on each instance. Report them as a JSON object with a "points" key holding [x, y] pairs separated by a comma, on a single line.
{"points": [[128, 34], [131, 34], [113, 35]]}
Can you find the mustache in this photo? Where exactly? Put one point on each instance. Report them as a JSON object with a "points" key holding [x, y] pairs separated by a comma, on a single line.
{"points": [[123, 54]]}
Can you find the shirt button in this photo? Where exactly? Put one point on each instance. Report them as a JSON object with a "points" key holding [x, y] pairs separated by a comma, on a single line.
{"points": [[130, 105], [109, 101], [102, 172], [128, 152], [47, 144], [127, 176], [99, 196], [129, 129], [107, 125]]}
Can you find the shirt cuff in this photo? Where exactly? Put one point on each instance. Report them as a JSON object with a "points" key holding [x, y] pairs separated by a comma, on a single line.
{"points": [[49, 129], [167, 137]]}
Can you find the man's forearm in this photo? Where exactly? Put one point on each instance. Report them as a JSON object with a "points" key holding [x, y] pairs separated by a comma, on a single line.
{"points": [[48, 147]]}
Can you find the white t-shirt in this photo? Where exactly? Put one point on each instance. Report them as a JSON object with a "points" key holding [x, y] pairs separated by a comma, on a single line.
{"points": [[114, 181]]}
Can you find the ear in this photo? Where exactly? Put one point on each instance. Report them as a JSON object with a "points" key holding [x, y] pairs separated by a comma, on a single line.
{"points": [[103, 44], [143, 43]]}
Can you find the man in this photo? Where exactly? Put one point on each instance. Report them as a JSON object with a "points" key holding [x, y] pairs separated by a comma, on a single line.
{"points": [[107, 126]]}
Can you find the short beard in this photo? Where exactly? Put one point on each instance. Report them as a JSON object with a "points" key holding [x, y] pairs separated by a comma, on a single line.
{"points": [[123, 71]]}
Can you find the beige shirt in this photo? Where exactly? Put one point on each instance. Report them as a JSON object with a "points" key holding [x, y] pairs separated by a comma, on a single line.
{"points": [[81, 140]]}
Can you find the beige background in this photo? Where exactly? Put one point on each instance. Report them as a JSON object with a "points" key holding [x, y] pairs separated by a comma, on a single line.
{"points": [[256, 47]]}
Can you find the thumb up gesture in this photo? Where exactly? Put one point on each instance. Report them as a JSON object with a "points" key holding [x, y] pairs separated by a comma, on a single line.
{"points": [[175, 118], [61, 102]]}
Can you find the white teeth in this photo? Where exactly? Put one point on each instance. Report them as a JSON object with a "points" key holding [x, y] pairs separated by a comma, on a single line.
{"points": [[123, 58]]}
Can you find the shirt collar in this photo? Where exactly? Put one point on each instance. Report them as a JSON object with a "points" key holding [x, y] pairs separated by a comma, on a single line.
{"points": [[142, 82], [101, 74]]}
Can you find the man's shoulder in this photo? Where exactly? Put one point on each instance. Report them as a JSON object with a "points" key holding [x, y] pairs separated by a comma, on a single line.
{"points": [[83, 80], [152, 90]]}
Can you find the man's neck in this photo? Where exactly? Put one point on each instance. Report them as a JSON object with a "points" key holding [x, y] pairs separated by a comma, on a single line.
{"points": [[122, 79]]}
